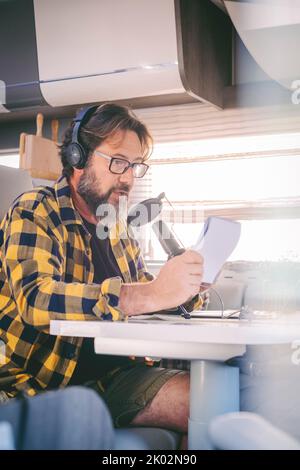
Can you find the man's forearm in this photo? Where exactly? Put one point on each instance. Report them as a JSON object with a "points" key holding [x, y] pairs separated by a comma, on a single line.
{"points": [[139, 297], [178, 281]]}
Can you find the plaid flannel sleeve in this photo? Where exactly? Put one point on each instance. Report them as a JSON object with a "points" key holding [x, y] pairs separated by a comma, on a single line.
{"points": [[33, 263]]}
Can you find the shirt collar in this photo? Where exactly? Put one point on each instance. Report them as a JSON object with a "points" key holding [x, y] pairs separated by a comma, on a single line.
{"points": [[68, 213]]}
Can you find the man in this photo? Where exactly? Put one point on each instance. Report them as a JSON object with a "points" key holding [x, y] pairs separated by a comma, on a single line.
{"points": [[53, 266]]}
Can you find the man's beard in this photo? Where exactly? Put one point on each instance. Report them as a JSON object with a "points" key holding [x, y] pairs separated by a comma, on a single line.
{"points": [[89, 188]]}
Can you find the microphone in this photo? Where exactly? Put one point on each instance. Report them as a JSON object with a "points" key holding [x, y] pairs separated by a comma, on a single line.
{"points": [[167, 239], [145, 211], [171, 246]]}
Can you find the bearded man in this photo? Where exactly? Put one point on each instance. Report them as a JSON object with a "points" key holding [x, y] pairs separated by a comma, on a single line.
{"points": [[54, 266]]}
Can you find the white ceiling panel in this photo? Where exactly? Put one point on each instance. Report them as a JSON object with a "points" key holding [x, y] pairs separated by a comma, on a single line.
{"points": [[136, 83], [105, 49]]}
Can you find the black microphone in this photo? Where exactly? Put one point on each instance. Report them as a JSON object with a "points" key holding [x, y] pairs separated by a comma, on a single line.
{"points": [[145, 211], [167, 239], [171, 246]]}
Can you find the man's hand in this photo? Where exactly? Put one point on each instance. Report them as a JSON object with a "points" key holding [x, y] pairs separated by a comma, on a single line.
{"points": [[179, 280]]}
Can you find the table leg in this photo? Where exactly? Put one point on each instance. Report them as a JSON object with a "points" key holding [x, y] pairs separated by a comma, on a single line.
{"points": [[214, 390]]}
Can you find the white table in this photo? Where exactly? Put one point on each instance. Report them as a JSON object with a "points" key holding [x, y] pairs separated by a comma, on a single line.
{"points": [[207, 344]]}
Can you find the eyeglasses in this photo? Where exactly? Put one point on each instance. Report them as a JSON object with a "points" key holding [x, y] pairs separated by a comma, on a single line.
{"points": [[118, 166]]}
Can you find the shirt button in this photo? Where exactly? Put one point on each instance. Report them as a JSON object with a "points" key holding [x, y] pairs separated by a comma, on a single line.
{"points": [[70, 355]]}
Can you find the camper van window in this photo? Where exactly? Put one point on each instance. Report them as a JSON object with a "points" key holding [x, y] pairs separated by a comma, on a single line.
{"points": [[260, 189], [10, 159]]}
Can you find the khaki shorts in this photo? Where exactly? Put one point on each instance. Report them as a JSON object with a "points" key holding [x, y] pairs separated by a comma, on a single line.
{"points": [[129, 391]]}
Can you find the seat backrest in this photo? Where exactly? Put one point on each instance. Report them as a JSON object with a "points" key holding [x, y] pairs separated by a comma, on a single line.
{"points": [[248, 431], [13, 182]]}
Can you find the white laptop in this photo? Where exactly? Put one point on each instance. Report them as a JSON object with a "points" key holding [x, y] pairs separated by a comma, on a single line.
{"points": [[196, 314]]}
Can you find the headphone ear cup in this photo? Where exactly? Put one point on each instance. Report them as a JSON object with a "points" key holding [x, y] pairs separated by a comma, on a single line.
{"points": [[76, 156]]}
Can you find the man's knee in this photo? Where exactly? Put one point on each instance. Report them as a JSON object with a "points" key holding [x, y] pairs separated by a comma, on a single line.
{"points": [[170, 406]]}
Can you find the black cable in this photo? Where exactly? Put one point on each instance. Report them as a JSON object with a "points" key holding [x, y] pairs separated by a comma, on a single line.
{"points": [[220, 298]]}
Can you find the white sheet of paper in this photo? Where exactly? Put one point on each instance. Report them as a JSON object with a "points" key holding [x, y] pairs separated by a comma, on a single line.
{"points": [[216, 243]]}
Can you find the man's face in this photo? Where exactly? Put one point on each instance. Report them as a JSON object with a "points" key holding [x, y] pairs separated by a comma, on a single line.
{"points": [[96, 184]]}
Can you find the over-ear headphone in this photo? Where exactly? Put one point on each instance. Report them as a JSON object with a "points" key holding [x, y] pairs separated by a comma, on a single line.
{"points": [[76, 153]]}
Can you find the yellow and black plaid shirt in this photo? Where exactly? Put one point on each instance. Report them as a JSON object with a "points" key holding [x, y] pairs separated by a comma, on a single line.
{"points": [[46, 273]]}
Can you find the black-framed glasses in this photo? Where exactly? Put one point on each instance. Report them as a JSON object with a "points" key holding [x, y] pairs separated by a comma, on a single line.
{"points": [[118, 166]]}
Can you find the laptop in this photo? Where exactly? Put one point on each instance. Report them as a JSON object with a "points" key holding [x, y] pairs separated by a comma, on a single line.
{"points": [[196, 314]]}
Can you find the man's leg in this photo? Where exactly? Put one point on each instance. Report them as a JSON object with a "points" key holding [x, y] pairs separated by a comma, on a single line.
{"points": [[169, 408], [74, 418], [148, 396]]}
